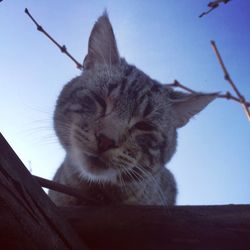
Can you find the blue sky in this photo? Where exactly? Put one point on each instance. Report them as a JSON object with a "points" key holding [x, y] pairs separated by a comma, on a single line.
{"points": [[168, 41]]}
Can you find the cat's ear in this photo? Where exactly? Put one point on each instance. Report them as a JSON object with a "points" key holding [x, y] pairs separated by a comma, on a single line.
{"points": [[102, 48], [185, 106]]}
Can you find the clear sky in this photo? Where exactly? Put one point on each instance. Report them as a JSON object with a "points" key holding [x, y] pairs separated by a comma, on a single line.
{"points": [[168, 41]]}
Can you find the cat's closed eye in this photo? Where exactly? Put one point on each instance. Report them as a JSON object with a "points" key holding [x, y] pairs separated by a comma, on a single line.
{"points": [[144, 126], [87, 102], [146, 140], [86, 105], [76, 108]]}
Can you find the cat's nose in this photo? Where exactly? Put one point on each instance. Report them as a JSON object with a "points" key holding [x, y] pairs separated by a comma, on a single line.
{"points": [[105, 143]]}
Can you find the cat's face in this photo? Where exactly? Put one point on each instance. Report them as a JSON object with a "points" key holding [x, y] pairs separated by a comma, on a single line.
{"points": [[115, 122]]}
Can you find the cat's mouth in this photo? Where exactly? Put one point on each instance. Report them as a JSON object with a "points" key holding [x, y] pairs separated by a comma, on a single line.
{"points": [[94, 167], [96, 163]]}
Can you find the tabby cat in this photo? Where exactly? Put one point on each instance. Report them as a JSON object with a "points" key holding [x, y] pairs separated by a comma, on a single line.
{"points": [[118, 128]]}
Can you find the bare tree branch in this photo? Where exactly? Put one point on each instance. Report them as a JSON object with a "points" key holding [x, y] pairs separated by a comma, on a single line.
{"points": [[227, 95], [240, 98], [61, 47], [66, 190], [230, 81], [176, 84], [213, 5]]}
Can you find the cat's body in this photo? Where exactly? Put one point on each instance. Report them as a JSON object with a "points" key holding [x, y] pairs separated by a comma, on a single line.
{"points": [[118, 127]]}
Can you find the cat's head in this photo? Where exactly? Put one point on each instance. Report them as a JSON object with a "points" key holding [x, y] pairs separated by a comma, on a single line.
{"points": [[116, 123]]}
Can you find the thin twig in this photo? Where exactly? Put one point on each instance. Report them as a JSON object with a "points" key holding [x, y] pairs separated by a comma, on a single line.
{"points": [[230, 81], [61, 47], [212, 6], [207, 12], [227, 95], [66, 190], [177, 84]]}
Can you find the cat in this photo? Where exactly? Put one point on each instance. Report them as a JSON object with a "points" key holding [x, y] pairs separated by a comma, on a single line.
{"points": [[119, 128]]}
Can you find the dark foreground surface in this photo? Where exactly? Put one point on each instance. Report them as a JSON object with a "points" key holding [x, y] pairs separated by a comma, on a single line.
{"points": [[181, 227], [29, 220]]}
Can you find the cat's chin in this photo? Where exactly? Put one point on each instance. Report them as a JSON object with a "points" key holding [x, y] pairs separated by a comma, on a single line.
{"points": [[93, 169], [96, 174]]}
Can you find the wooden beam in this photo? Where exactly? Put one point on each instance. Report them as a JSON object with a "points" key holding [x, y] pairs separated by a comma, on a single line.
{"points": [[29, 220], [159, 228]]}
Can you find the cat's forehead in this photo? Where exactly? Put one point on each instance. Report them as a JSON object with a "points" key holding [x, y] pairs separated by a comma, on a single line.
{"points": [[126, 86], [127, 79]]}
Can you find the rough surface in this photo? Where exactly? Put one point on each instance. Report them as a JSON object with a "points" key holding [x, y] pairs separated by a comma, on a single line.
{"points": [[28, 219], [147, 227]]}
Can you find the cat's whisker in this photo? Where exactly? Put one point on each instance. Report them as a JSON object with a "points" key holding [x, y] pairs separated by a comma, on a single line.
{"points": [[41, 122], [123, 186], [129, 162], [38, 109], [34, 131], [63, 123], [155, 182], [140, 177], [143, 172], [43, 140], [126, 172], [141, 183]]}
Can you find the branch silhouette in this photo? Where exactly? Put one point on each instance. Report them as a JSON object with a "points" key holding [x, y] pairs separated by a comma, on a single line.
{"points": [[213, 5], [61, 47], [176, 84], [227, 95], [227, 77]]}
